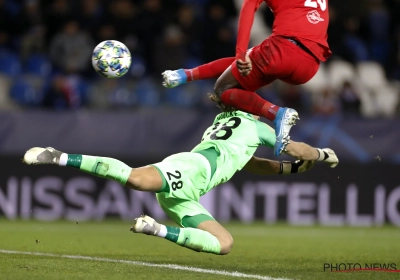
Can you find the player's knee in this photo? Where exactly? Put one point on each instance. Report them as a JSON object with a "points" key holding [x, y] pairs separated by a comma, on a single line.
{"points": [[136, 181], [220, 87], [218, 90], [226, 244]]}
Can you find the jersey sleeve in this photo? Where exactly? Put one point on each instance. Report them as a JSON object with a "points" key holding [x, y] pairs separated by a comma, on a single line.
{"points": [[246, 19], [266, 134]]}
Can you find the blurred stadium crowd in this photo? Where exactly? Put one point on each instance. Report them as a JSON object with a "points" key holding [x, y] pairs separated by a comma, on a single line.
{"points": [[46, 46]]}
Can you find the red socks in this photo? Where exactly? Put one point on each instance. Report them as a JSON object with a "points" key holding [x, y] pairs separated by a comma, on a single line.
{"points": [[250, 102], [214, 69], [243, 100]]}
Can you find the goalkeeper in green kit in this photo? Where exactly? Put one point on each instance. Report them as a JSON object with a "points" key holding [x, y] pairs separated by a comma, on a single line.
{"points": [[179, 180]]}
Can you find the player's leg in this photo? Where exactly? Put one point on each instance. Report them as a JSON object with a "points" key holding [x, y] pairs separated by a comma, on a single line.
{"points": [[208, 237], [174, 78], [224, 237], [230, 90], [199, 231], [186, 176], [232, 93], [145, 178]]}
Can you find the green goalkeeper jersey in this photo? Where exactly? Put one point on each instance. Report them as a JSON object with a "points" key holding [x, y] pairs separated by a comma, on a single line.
{"points": [[235, 136]]}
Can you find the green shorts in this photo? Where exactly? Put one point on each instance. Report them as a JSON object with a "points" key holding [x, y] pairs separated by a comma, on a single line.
{"points": [[188, 176]]}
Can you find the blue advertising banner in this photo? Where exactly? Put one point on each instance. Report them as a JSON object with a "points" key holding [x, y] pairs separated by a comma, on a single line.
{"points": [[351, 194]]}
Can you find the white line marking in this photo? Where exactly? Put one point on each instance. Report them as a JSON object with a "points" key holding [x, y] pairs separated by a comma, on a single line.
{"points": [[169, 266]]}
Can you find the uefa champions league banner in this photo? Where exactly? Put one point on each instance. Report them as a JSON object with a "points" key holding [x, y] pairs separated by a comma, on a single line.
{"points": [[351, 194]]}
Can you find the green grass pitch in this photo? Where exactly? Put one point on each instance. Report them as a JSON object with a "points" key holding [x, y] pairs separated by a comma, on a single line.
{"points": [[277, 251]]}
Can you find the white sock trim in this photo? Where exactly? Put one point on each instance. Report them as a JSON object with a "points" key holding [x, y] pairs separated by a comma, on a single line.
{"points": [[163, 231], [63, 159]]}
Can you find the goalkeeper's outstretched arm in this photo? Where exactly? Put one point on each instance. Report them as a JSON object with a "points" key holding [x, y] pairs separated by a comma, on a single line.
{"points": [[263, 166], [306, 157], [305, 152]]}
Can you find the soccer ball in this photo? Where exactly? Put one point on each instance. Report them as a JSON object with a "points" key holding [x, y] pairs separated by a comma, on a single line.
{"points": [[111, 59]]}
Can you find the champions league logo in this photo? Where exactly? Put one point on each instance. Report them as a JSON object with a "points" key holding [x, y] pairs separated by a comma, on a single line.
{"points": [[314, 17]]}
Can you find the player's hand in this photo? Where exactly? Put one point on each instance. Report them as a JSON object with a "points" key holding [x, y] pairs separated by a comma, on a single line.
{"points": [[244, 67], [303, 165]]}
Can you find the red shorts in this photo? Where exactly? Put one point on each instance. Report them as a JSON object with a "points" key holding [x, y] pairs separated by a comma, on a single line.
{"points": [[277, 58]]}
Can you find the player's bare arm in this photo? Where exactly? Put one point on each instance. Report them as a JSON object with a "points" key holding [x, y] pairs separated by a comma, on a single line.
{"points": [[246, 19], [305, 152], [262, 166]]}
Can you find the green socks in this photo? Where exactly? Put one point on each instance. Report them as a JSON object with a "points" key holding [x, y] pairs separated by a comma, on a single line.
{"points": [[193, 238], [104, 167]]}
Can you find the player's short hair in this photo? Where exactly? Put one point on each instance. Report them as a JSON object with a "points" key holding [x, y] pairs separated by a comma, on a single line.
{"points": [[224, 108]]}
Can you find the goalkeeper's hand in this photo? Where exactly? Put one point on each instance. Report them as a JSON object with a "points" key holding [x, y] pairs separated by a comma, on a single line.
{"points": [[299, 166]]}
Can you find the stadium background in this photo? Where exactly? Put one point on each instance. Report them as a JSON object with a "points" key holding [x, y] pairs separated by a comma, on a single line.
{"points": [[51, 96]]}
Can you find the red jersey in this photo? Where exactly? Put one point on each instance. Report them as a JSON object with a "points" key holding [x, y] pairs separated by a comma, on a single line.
{"points": [[303, 20]]}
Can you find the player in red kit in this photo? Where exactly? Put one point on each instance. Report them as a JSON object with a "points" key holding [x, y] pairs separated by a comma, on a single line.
{"points": [[292, 54]]}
